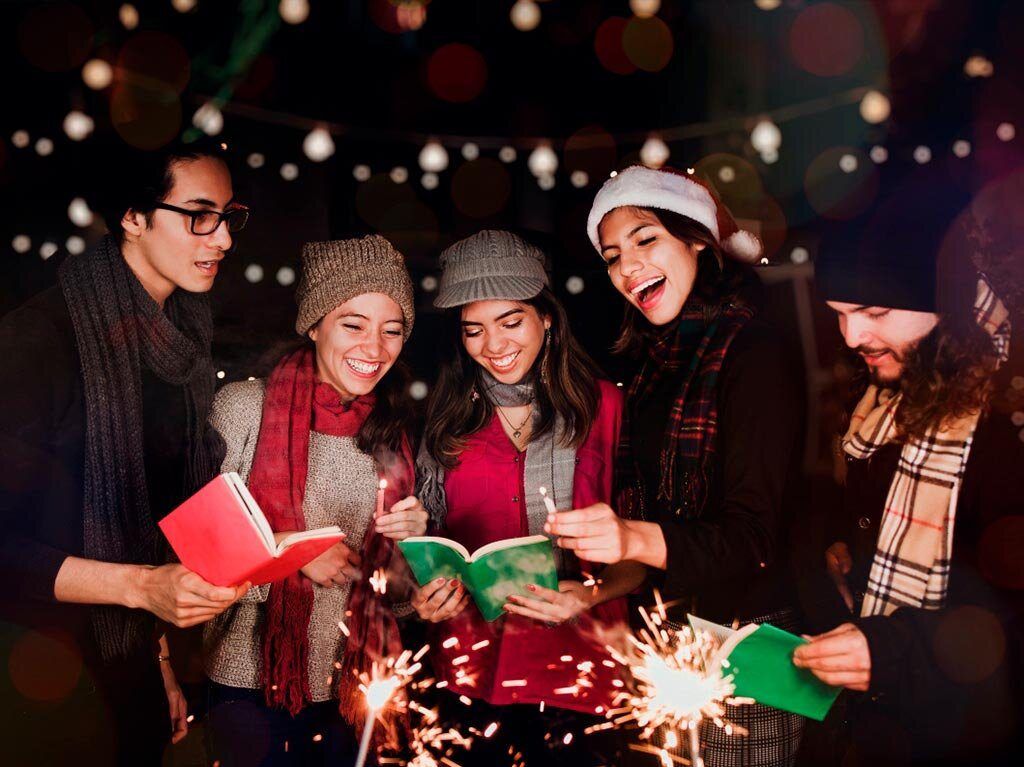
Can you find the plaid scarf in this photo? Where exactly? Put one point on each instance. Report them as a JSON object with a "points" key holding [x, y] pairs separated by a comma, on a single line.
{"points": [[690, 441], [294, 405], [915, 542]]}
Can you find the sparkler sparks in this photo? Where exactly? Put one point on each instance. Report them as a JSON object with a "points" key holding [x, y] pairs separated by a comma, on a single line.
{"points": [[673, 684]]}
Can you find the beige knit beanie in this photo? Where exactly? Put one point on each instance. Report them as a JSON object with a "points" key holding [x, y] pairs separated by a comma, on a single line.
{"points": [[334, 272]]}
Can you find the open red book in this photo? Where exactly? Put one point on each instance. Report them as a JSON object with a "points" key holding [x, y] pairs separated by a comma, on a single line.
{"points": [[220, 533]]}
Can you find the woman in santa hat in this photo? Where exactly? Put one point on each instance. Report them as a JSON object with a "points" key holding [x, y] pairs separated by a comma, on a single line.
{"points": [[711, 430]]}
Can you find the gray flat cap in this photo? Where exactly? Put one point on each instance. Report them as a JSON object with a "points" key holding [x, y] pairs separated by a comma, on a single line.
{"points": [[490, 265]]}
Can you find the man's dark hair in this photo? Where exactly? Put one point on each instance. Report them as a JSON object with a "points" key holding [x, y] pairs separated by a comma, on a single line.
{"points": [[137, 180]]}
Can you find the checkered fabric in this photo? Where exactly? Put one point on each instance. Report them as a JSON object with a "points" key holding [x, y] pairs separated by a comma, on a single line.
{"points": [[915, 541]]}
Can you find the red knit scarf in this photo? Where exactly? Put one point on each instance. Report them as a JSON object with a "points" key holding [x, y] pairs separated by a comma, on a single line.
{"points": [[294, 404]]}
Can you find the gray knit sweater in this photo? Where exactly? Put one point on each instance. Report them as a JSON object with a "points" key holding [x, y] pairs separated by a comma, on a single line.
{"points": [[341, 489]]}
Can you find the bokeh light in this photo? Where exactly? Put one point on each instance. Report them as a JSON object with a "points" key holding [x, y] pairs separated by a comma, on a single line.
{"points": [[289, 171], [318, 144], [608, 45], [961, 148], [875, 107], [826, 39], [430, 181], [155, 61], [574, 285], [470, 151], [835, 192], [285, 276], [399, 16], [79, 213], [48, 250], [765, 136], [648, 43], [978, 66], [75, 245], [542, 161], [433, 157], [293, 11], [42, 667], [55, 37], [590, 149], [922, 155], [361, 172], [525, 15], [21, 243], [256, 160], [879, 154], [1006, 132], [97, 74], [399, 174], [579, 178], [78, 125], [209, 119], [20, 139], [44, 146], [655, 152], [644, 8], [254, 273], [128, 15], [507, 154], [456, 72]]}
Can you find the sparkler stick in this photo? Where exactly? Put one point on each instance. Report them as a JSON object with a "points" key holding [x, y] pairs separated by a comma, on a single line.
{"points": [[377, 693], [381, 487]]}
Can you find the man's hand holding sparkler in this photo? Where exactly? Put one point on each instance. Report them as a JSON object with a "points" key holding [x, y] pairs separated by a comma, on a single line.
{"points": [[839, 657], [550, 606]]}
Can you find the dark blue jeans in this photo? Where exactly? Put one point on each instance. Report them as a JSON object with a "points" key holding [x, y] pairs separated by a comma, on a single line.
{"points": [[244, 732]]}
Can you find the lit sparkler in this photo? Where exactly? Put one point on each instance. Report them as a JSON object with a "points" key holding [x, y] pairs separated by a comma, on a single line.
{"points": [[674, 684]]}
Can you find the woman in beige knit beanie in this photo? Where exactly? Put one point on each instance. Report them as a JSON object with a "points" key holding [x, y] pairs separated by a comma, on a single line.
{"points": [[314, 442]]}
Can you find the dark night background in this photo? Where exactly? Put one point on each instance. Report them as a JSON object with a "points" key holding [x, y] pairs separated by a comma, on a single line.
{"points": [[708, 71]]}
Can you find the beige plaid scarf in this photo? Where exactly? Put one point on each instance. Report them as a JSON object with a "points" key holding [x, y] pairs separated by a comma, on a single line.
{"points": [[915, 542]]}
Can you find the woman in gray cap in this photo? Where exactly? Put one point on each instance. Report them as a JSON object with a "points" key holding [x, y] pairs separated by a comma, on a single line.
{"points": [[312, 442], [518, 406]]}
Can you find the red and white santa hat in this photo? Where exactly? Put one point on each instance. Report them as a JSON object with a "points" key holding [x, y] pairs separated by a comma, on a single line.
{"points": [[669, 189]]}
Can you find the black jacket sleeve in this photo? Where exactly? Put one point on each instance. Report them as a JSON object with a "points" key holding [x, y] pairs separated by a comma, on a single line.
{"points": [[36, 378], [760, 427]]}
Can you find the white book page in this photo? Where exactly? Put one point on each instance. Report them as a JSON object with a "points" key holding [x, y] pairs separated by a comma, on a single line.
{"points": [[509, 543], [726, 638], [254, 513], [306, 535], [462, 550]]}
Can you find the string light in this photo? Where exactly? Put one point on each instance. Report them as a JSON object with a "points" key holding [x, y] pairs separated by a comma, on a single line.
{"points": [[97, 74], [574, 285], [399, 174], [525, 15], [183, 6], [47, 250], [879, 154], [293, 11], [766, 137], [221, 375], [75, 245], [289, 171], [128, 15], [470, 151], [318, 144], [767, 5], [1006, 132], [361, 172], [21, 243], [285, 276], [418, 390], [44, 147], [507, 154], [20, 139], [644, 9], [727, 174], [848, 163], [546, 182], [256, 160], [875, 107], [978, 66], [961, 148], [429, 283], [78, 125], [430, 181], [542, 161], [254, 273], [654, 153], [579, 179], [209, 119], [922, 155], [769, 156], [79, 213], [433, 157], [799, 255]]}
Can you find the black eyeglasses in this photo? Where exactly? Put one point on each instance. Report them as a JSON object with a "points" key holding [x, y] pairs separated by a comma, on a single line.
{"points": [[205, 222]]}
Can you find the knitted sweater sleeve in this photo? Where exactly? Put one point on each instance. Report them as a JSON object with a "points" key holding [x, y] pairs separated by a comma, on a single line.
{"points": [[37, 376], [236, 415]]}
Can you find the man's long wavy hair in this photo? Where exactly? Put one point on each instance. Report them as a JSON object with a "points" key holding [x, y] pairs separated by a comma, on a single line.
{"points": [[571, 392], [946, 376]]}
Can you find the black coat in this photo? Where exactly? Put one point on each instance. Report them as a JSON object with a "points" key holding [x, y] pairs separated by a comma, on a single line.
{"points": [[946, 685]]}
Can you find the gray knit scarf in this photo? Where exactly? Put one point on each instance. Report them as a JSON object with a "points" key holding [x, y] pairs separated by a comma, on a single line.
{"points": [[118, 329], [549, 464]]}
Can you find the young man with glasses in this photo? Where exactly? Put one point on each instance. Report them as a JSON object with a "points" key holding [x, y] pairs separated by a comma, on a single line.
{"points": [[107, 380]]}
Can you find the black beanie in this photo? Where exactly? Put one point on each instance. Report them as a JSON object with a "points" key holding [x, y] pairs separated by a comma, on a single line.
{"points": [[909, 250]]}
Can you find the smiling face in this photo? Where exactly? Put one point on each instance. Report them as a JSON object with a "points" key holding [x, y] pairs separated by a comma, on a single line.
{"points": [[653, 269], [357, 343], [503, 337], [882, 336], [161, 249]]}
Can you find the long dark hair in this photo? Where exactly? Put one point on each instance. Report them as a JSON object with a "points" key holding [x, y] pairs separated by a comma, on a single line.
{"points": [[571, 391], [720, 279]]}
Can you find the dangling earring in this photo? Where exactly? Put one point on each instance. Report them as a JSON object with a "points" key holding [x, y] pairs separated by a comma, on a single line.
{"points": [[474, 395], [544, 378]]}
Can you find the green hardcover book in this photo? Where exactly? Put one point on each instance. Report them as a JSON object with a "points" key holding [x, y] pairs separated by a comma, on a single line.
{"points": [[760, 658], [491, 573]]}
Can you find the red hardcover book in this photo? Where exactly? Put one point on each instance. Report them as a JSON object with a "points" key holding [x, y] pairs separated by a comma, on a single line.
{"points": [[220, 533]]}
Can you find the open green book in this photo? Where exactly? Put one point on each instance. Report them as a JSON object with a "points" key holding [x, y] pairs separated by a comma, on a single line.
{"points": [[491, 573], [760, 658]]}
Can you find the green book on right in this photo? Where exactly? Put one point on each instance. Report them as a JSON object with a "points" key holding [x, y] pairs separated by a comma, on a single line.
{"points": [[491, 573], [760, 658]]}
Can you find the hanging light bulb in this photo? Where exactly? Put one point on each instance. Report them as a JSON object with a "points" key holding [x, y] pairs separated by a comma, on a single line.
{"points": [[766, 136], [525, 15], [318, 144], [543, 161], [874, 107], [78, 125], [433, 157], [97, 74], [293, 11], [654, 153], [209, 119]]}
